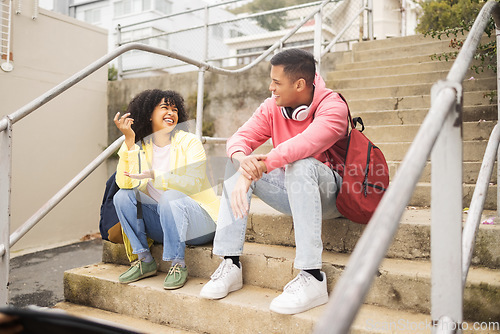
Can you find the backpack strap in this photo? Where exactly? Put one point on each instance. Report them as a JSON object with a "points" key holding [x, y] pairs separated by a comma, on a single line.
{"points": [[353, 121], [136, 190]]}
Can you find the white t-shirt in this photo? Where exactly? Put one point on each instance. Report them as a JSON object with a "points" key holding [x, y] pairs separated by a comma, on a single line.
{"points": [[161, 162]]}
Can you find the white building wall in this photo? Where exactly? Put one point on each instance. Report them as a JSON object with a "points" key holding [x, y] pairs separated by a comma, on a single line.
{"points": [[58, 140]]}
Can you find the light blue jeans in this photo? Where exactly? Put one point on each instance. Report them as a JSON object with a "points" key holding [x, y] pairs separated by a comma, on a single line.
{"points": [[175, 221], [305, 190]]}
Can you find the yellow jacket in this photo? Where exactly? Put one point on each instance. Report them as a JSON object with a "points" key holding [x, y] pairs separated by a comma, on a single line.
{"points": [[187, 173]]}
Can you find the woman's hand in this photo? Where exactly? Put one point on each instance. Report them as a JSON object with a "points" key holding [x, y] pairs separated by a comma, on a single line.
{"points": [[124, 124], [149, 174]]}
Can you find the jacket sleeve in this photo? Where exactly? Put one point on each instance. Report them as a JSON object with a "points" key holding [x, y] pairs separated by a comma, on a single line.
{"points": [[129, 161], [329, 125], [189, 175], [255, 132]]}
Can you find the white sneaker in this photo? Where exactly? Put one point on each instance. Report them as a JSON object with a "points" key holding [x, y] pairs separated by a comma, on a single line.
{"points": [[301, 294], [227, 278]]}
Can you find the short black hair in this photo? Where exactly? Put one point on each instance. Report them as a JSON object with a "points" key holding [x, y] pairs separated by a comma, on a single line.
{"points": [[297, 63], [142, 105]]}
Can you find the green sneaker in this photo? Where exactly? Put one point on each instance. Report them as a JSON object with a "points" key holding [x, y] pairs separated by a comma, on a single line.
{"points": [[176, 277], [138, 270]]}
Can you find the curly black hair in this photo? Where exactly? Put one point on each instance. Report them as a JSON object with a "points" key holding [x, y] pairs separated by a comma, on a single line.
{"points": [[142, 105]]}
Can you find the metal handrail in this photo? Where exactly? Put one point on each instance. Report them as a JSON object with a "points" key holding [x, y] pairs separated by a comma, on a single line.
{"points": [[477, 201], [351, 289], [62, 193]]}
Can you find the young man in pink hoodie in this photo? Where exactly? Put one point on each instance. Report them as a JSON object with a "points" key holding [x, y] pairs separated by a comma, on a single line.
{"points": [[300, 176]]}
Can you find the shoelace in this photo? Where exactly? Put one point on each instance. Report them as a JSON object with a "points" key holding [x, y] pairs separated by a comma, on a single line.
{"points": [[138, 263], [297, 283], [221, 270], [174, 270]]}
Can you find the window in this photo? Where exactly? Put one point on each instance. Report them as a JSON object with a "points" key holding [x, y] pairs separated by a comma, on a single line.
{"points": [[217, 31], [163, 6], [126, 7], [92, 16], [235, 33], [160, 42]]}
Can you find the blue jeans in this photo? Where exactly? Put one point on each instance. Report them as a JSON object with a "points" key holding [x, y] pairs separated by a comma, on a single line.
{"points": [[305, 190], [175, 221]]}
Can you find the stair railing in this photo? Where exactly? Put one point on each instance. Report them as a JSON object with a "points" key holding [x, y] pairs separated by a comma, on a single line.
{"points": [[7, 240], [440, 136]]}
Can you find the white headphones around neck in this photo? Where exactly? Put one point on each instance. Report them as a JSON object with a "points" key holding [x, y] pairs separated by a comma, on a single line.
{"points": [[298, 114]]}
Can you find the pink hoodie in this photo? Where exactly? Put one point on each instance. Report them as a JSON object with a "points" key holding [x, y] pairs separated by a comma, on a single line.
{"points": [[322, 135]]}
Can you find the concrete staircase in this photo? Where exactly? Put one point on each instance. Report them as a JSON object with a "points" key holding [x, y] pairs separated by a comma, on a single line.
{"points": [[399, 299]]}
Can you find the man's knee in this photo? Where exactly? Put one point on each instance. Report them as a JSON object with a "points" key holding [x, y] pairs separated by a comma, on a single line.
{"points": [[301, 167]]}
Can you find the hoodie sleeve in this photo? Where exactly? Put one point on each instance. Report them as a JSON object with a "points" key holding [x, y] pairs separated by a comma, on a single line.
{"points": [[329, 125], [255, 132], [129, 162]]}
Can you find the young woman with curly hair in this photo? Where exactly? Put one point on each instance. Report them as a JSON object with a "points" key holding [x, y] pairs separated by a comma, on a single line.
{"points": [[161, 167]]}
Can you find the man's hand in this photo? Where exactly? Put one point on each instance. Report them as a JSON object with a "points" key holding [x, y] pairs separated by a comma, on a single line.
{"points": [[149, 174], [239, 201], [252, 166]]}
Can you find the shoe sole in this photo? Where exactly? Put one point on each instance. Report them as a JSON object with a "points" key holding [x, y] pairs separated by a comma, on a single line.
{"points": [[140, 277], [293, 310], [223, 294], [174, 287]]}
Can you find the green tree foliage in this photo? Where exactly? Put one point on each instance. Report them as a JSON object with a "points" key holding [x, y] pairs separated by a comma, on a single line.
{"points": [[269, 22], [440, 15], [112, 73], [453, 19]]}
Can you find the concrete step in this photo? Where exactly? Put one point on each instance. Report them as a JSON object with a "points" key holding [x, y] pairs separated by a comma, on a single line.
{"points": [[270, 227], [393, 92], [244, 311], [387, 80], [400, 284], [472, 150], [413, 40], [406, 132], [347, 62], [422, 196], [401, 51], [471, 114], [471, 98], [389, 69], [470, 171], [412, 241], [120, 320]]}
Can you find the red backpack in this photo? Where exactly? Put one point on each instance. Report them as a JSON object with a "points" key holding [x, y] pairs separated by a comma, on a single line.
{"points": [[366, 176]]}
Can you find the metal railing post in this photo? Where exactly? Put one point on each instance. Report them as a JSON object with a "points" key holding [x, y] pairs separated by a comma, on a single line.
{"points": [[201, 82], [199, 102], [318, 18], [120, 58], [497, 30], [369, 13], [5, 183], [446, 212]]}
